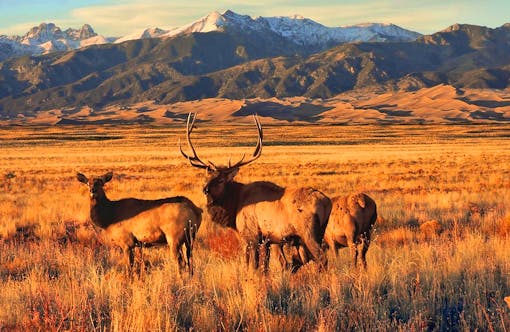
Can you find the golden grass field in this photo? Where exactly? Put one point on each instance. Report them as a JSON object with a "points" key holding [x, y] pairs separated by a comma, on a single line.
{"points": [[56, 276]]}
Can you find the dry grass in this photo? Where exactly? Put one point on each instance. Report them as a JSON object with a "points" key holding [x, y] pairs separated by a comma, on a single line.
{"points": [[56, 275], [430, 229]]}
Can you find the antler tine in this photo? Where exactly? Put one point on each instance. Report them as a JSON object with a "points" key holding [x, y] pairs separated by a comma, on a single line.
{"points": [[193, 160], [189, 129], [258, 149]]}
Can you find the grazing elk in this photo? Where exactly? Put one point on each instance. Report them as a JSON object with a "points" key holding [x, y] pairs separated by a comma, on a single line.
{"points": [[262, 212], [134, 222], [350, 224]]}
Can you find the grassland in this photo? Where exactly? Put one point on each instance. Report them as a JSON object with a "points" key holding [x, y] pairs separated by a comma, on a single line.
{"points": [[56, 275]]}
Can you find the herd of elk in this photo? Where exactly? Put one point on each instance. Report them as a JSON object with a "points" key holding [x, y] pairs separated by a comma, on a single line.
{"points": [[350, 224], [263, 213], [134, 222]]}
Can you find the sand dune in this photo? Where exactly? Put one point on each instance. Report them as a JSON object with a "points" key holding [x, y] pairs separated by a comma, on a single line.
{"points": [[440, 104]]}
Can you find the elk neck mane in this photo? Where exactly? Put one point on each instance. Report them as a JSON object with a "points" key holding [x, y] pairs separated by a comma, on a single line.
{"points": [[237, 195], [224, 210], [104, 212]]}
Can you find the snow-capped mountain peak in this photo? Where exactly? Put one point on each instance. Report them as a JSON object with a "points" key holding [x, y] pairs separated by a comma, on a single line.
{"points": [[43, 33], [214, 22], [49, 32], [47, 37], [298, 28], [85, 32]]}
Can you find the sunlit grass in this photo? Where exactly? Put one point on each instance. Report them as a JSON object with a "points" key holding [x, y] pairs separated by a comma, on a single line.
{"points": [[56, 275]]}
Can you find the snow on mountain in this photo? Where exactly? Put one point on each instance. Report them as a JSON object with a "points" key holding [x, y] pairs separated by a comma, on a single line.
{"points": [[49, 32], [379, 32], [10, 47], [212, 22], [298, 28], [47, 37], [146, 33], [96, 40]]}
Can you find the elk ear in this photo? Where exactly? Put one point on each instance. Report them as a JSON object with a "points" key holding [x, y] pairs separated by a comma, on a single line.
{"points": [[82, 178], [107, 177]]}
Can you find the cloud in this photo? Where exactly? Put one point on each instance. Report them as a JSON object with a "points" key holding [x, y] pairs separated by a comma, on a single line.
{"points": [[125, 17]]}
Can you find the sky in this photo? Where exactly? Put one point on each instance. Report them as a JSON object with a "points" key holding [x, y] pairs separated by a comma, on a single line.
{"points": [[115, 18]]}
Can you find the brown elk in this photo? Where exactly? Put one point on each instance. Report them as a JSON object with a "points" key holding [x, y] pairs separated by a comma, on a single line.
{"points": [[262, 212], [134, 222], [350, 224]]}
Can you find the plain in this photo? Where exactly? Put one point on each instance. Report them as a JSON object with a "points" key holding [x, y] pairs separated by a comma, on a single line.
{"points": [[55, 274]]}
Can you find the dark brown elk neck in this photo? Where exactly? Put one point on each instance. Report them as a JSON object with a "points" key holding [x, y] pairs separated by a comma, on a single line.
{"points": [[104, 212], [224, 211]]}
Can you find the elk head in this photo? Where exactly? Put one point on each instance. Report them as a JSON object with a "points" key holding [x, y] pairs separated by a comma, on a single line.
{"points": [[95, 184], [220, 185]]}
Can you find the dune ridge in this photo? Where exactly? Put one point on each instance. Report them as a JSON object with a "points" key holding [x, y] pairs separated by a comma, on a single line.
{"points": [[441, 104]]}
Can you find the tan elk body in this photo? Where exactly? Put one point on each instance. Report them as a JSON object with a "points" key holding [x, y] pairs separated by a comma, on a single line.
{"points": [[350, 224], [262, 212], [132, 222]]}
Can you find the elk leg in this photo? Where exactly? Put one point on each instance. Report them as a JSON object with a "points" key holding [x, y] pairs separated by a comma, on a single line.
{"points": [[141, 260], [281, 255], [188, 242], [189, 257], [336, 249], [175, 248], [252, 251], [353, 247], [267, 254], [312, 248], [129, 256], [295, 259], [247, 254], [366, 242], [255, 252], [299, 257]]}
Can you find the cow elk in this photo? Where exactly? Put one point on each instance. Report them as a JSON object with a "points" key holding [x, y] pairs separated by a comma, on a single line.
{"points": [[263, 213], [350, 224], [134, 222]]}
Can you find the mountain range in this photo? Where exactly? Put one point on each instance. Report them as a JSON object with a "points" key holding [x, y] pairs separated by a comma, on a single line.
{"points": [[47, 38], [236, 57]]}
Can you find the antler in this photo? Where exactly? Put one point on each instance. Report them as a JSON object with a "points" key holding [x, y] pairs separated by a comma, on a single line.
{"points": [[193, 160], [258, 148], [197, 162]]}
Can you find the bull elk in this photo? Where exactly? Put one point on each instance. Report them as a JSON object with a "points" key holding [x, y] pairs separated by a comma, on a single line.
{"points": [[350, 224], [262, 212], [134, 222]]}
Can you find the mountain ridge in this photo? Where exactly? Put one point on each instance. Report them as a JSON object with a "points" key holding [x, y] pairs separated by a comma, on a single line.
{"points": [[47, 37]]}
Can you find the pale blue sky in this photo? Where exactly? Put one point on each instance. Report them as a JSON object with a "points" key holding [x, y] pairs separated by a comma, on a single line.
{"points": [[121, 17]]}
